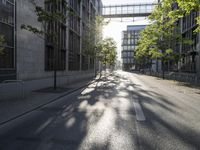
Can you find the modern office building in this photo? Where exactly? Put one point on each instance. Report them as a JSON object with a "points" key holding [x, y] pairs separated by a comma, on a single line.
{"points": [[190, 61], [28, 57], [129, 43], [190, 54]]}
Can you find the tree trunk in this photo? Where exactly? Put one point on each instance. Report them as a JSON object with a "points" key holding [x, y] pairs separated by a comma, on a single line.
{"points": [[55, 79], [150, 65], [100, 69], [95, 67], [55, 67], [163, 69]]}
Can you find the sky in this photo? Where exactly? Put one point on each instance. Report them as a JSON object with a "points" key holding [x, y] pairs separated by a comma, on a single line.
{"points": [[116, 26]]}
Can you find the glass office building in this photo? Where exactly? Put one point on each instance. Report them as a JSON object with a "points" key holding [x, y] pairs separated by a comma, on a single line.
{"points": [[130, 38], [190, 53]]}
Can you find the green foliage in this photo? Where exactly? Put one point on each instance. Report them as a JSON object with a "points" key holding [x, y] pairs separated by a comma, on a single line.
{"points": [[189, 5], [2, 42], [198, 23], [157, 40], [46, 17], [106, 51], [32, 29], [93, 36], [185, 8]]}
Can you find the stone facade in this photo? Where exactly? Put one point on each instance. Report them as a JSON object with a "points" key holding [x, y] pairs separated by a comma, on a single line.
{"points": [[30, 48], [27, 68]]}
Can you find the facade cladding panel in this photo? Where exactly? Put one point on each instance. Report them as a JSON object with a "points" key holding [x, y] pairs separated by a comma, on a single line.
{"points": [[27, 57], [129, 44]]}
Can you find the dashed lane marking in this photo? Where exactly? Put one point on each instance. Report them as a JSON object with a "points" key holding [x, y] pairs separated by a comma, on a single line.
{"points": [[138, 111]]}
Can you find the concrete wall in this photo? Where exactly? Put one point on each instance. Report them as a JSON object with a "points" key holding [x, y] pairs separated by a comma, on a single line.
{"points": [[30, 48]]}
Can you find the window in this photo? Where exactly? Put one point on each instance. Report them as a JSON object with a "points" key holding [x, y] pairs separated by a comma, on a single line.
{"points": [[74, 51], [7, 30], [55, 58]]}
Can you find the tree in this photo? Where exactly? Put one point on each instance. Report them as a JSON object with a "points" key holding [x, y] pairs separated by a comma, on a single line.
{"points": [[106, 51], [155, 43], [52, 16], [92, 36], [157, 39]]}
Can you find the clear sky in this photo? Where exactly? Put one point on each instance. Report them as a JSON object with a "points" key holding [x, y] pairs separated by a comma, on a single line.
{"points": [[116, 26]]}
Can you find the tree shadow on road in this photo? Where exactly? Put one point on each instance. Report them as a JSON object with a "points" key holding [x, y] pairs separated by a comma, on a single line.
{"points": [[102, 117]]}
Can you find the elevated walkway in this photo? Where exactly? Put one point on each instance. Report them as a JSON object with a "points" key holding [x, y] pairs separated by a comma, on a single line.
{"points": [[130, 10]]}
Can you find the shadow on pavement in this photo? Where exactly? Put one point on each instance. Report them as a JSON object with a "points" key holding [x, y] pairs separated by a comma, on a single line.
{"points": [[101, 117]]}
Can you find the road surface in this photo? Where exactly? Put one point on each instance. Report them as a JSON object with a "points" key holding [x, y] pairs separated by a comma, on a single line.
{"points": [[123, 111]]}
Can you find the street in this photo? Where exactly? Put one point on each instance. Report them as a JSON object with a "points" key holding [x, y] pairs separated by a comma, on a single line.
{"points": [[121, 111]]}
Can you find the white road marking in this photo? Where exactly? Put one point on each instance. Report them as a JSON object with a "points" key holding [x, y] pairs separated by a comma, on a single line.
{"points": [[138, 111]]}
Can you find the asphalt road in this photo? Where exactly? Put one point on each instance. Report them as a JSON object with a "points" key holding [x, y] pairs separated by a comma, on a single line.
{"points": [[123, 111]]}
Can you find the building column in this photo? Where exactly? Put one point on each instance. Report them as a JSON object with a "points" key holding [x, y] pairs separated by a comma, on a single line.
{"points": [[81, 35], [198, 57]]}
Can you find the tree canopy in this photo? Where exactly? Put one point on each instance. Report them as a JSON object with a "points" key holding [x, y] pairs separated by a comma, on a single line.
{"points": [[157, 40], [185, 8], [93, 35], [106, 51], [46, 17]]}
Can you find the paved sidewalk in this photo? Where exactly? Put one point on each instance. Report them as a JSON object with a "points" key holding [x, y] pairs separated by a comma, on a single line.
{"points": [[11, 109]]}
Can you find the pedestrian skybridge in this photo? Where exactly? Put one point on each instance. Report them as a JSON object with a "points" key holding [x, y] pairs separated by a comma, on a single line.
{"points": [[123, 11]]}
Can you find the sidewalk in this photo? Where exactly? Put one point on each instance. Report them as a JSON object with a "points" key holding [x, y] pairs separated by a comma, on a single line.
{"points": [[11, 109]]}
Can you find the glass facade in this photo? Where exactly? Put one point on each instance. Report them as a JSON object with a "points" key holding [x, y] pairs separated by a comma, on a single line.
{"points": [[129, 44], [189, 52], [80, 35], [56, 58], [89, 12], [128, 10], [74, 36], [7, 29]]}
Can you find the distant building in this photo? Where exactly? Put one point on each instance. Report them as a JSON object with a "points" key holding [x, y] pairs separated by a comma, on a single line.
{"points": [[129, 43], [27, 57]]}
